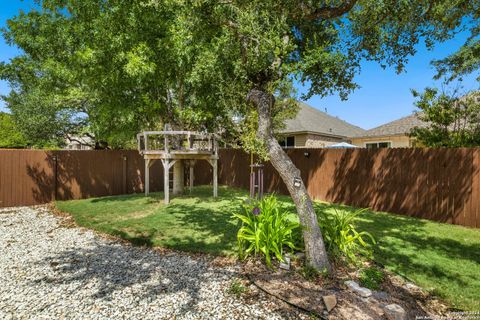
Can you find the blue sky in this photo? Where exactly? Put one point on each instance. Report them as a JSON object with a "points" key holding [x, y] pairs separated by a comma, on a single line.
{"points": [[8, 9], [384, 96]]}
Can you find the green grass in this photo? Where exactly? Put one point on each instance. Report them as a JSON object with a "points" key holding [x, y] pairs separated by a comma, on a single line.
{"points": [[195, 223], [371, 278], [441, 258]]}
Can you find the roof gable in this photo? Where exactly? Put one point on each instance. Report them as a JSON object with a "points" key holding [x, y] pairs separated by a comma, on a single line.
{"points": [[401, 126], [313, 120]]}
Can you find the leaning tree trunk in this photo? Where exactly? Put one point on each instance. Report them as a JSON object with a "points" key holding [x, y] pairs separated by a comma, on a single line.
{"points": [[314, 245]]}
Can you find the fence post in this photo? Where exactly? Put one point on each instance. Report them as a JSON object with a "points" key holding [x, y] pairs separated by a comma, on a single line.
{"points": [[55, 176], [124, 174]]}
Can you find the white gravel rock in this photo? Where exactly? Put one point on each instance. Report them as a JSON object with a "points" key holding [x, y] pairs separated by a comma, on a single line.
{"points": [[48, 271]]}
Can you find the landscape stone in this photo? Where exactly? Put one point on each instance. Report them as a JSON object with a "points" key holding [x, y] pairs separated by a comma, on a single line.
{"points": [[355, 287], [285, 265], [330, 302], [380, 295], [394, 312]]}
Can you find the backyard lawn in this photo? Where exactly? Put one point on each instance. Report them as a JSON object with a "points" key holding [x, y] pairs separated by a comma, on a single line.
{"points": [[439, 257]]}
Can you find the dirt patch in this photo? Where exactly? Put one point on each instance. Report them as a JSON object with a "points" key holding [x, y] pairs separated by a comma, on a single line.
{"points": [[136, 215], [66, 220], [294, 289], [304, 295]]}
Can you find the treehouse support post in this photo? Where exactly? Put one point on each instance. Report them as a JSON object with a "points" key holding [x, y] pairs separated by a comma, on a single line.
{"points": [[215, 178], [191, 175], [178, 178], [167, 164], [166, 181], [214, 164], [148, 164], [147, 177]]}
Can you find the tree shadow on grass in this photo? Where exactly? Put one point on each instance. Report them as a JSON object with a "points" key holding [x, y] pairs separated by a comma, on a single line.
{"points": [[403, 244], [213, 230], [413, 232], [140, 240], [199, 224], [107, 269]]}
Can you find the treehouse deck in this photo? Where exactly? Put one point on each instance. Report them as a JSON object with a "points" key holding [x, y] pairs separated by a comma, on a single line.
{"points": [[175, 149]]}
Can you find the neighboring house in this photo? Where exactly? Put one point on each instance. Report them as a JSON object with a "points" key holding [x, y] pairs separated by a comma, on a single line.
{"points": [[395, 134], [390, 135], [313, 128], [79, 143]]}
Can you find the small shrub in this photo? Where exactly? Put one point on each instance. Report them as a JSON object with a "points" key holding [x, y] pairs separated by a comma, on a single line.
{"points": [[237, 288], [340, 235], [371, 278], [266, 229]]}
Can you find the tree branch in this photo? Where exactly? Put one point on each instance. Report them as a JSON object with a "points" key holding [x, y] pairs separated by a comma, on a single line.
{"points": [[325, 12], [71, 138]]}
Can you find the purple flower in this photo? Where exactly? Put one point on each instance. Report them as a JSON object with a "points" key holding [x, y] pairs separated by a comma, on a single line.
{"points": [[256, 211]]}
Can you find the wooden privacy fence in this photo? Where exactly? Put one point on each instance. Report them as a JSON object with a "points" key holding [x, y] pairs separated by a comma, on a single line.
{"points": [[436, 184], [29, 177]]}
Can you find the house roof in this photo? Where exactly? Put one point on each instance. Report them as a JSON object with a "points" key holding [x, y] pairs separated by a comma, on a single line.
{"points": [[400, 126], [312, 120], [404, 125]]}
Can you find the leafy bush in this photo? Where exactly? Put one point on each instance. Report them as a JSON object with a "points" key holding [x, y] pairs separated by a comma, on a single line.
{"points": [[371, 278], [266, 229], [340, 235]]}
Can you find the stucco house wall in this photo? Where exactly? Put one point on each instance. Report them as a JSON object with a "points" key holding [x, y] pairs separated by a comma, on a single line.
{"points": [[399, 141], [312, 140], [396, 133], [320, 141]]}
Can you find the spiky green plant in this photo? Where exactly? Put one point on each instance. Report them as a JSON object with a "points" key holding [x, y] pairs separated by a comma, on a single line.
{"points": [[266, 229], [340, 235]]}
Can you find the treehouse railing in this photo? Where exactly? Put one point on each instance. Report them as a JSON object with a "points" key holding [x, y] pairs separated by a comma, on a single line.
{"points": [[176, 142]]}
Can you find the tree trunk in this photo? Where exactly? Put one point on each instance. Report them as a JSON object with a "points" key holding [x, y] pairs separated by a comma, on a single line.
{"points": [[178, 178], [312, 235]]}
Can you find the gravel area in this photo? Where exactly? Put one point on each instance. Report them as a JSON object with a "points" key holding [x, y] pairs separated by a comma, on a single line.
{"points": [[50, 271]]}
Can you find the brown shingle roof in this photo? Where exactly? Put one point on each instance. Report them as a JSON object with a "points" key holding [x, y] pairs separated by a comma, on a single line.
{"points": [[310, 119], [402, 126]]}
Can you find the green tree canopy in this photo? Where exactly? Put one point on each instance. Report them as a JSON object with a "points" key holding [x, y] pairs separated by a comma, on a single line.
{"points": [[451, 121], [110, 69], [464, 61], [10, 136]]}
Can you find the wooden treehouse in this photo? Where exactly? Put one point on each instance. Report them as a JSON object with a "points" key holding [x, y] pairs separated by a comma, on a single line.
{"points": [[177, 149]]}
